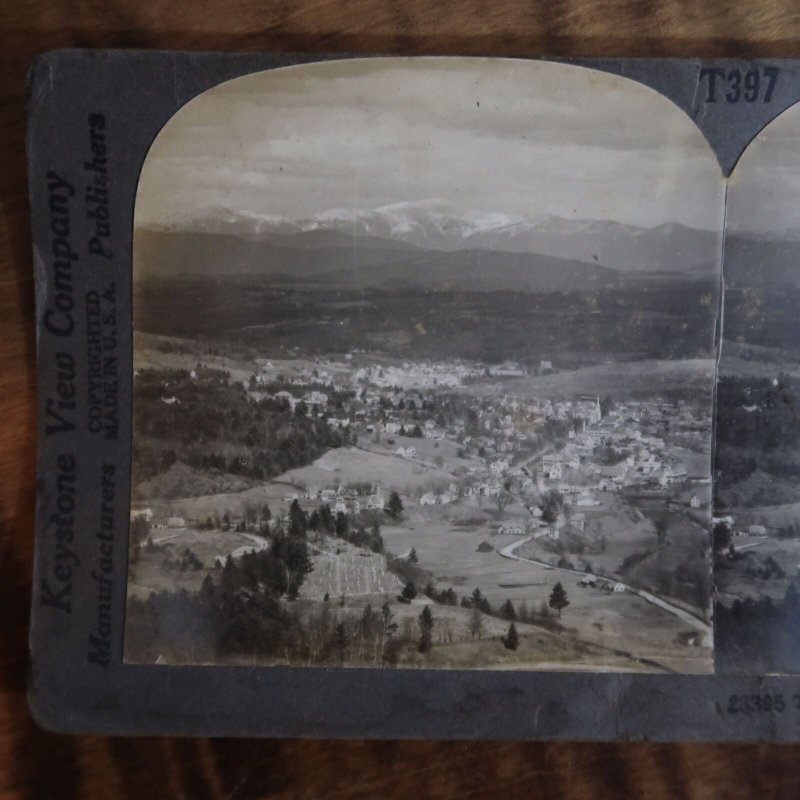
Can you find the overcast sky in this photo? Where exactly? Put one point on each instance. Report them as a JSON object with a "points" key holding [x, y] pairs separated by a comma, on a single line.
{"points": [[764, 189], [520, 137]]}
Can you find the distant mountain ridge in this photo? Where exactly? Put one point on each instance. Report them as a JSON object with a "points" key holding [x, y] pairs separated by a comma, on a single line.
{"points": [[434, 225], [360, 265]]}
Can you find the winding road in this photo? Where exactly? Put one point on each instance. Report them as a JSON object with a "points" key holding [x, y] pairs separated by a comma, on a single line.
{"points": [[690, 619]]}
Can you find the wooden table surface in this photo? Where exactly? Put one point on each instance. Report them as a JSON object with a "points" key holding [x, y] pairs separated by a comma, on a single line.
{"points": [[35, 764]]}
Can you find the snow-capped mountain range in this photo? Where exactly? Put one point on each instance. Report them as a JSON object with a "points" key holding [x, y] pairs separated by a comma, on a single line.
{"points": [[439, 226]]}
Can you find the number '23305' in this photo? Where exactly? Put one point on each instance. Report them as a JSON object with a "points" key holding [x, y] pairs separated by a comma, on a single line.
{"points": [[756, 703]]}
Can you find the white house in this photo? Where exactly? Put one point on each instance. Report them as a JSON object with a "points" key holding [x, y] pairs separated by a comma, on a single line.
{"points": [[586, 500], [551, 469], [316, 398], [428, 499], [515, 527], [375, 501]]}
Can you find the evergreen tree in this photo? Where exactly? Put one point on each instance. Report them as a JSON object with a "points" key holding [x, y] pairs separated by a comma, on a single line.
{"points": [[412, 556], [298, 562], [326, 517], [376, 540], [208, 591], [272, 573], [395, 506], [389, 625], [409, 591], [229, 581], [297, 520], [480, 602], [426, 629], [507, 611], [511, 639], [342, 525], [449, 597], [558, 598]]}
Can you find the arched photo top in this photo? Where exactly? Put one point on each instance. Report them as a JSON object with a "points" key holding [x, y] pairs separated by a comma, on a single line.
{"points": [[764, 187], [442, 153], [406, 304]]}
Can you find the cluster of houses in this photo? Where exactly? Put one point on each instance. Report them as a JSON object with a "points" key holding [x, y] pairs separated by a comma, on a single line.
{"points": [[589, 581], [424, 375], [158, 521], [349, 499], [601, 447], [754, 531], [636, 457], [440, 499]]}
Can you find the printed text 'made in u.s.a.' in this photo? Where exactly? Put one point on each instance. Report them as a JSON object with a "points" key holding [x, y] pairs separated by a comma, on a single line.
{"points": [[101, 361]]}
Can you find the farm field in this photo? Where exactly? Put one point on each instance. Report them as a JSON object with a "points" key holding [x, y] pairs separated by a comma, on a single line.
{"points": [[169, 352], [427, 451], [733, 580], [354, 465], [621, 621], [771, 516], [618, 379], [341, 569], [632, 553], [150, 574], [200, 507]]}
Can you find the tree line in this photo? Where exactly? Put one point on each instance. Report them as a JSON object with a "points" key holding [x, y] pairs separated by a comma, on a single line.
{"points": [[211, 423], [758, 636]]}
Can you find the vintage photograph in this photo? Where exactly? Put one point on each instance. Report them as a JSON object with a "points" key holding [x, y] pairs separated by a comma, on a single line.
{"points": [[424, 365], [757, 476]]}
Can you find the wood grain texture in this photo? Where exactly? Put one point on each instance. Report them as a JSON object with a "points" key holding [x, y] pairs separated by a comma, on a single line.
{"points": [[35, 764]]}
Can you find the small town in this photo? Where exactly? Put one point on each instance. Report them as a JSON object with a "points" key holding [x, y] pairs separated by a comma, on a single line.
{"points": [[522, 446], [456, 462]]}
